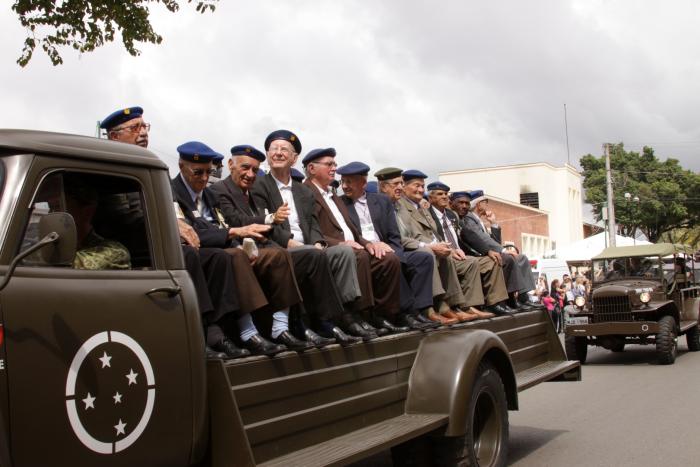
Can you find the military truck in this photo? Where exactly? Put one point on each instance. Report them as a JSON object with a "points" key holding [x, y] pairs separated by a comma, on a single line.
{"points": [[635, 300], [107, 367]]}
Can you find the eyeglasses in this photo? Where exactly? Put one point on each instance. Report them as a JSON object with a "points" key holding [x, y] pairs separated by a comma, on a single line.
{"points": [[201, 172], [135, 128], [283, 150], [327, 164]]}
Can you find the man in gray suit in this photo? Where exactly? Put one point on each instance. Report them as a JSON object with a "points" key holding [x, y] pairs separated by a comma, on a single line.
{"points": [[516, 267]]}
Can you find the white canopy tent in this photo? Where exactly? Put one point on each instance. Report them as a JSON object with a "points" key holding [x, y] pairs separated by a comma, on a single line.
{"points": [[585, 249]]}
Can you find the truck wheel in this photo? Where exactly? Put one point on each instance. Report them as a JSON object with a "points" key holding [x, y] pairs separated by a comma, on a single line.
{"points": [[576, 348], [666, 341], [486, 441], [693, 338], [412, 453]]}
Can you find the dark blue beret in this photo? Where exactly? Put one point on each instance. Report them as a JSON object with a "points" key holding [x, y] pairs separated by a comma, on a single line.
{"points": [[261, 173], [285, 135], [317, 154], [298, 175], [218, 159], [476, 194], [247, 150], [411, 174], [335, 183], [120, 116], [372, 187], [438, 186], [194, 151], [354, 168], [460, 194]]}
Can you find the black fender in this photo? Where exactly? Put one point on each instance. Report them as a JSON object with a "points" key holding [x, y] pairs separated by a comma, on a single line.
{"points": [[444, 370]]}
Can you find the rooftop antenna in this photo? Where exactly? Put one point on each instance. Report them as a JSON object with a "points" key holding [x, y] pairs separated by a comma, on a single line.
{"points": [[566, 130]]}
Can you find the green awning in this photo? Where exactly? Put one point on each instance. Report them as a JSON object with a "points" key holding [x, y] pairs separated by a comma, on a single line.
{"points": [[657, 249]]}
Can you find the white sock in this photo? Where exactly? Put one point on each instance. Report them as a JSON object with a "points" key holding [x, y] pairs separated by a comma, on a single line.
{"points": [[247, 327], [280, 322]]}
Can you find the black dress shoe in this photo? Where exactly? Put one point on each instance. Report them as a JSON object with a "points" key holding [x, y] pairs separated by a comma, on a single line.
{"points": [[499, 310], [355, 329], [379, 330], [258, 345], [412, 322], [227, 347], [343, 339], [316, 340], [212, 354], [424, 319], [286, 338], [391, 327]]}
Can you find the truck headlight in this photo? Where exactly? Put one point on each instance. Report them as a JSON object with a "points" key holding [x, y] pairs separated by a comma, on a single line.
{"points": [[580, 301], [644, 297]]}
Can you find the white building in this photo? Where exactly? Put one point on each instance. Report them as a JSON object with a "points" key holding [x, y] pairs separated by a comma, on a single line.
{"points": [[556, 190]]}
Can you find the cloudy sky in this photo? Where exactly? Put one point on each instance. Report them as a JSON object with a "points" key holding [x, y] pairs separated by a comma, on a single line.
{"points": [[430, 85]]}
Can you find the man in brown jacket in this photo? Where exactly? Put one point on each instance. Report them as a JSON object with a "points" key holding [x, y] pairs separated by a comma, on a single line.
{"points": [[378, 268]]}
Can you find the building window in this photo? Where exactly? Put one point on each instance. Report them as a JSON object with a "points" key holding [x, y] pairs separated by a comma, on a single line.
{"points": [[530, 199]]}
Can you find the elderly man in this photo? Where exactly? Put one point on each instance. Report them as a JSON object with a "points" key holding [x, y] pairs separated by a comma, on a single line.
{"points": [[459, 202], [311, 266], [381, 296], [271, 270], [280, 193], [373, 215], [447, 224], [516, 267], [209, 268], [466, 267]]}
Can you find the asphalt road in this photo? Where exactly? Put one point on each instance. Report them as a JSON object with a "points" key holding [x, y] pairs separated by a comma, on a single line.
{"points": [[626, 411]]}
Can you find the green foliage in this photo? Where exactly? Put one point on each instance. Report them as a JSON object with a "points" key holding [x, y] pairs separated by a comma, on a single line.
{"points": [[669, 196], [85, 25]]}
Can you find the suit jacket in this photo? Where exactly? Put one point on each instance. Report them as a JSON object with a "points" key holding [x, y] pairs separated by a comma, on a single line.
{"points": [[332, 232], [267, 196], [476, 238], [419, 224], [383, 218], [454, 220], [237, 211], [211, 234]]}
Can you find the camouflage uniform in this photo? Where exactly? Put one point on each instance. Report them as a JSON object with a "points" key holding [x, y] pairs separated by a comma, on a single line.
{"points": [[99, 253]]}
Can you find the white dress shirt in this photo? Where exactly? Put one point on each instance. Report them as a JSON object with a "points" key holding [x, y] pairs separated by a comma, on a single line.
{"points": [[293, 219], [366, 225], [328, 198], [443, 219]]}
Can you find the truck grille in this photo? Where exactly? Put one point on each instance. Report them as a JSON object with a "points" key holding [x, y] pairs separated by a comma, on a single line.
{"points": [[612, 309]]}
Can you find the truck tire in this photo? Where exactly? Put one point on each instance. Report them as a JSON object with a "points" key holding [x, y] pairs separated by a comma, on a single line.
{"points": [[693, 338], [576, 348], [666, 341], [486, 441]]}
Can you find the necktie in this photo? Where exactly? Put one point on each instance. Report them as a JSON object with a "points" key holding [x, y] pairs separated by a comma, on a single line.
{"points": [[200, 206], [448, 233]]}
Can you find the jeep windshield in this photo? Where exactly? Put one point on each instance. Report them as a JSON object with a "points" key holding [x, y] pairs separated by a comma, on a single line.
{"points": [[636, 267]]}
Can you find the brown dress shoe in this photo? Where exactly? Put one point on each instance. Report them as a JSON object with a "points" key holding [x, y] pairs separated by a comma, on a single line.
{"points": [[438, 318], [465, 316], [444, 306], [481, 314]]}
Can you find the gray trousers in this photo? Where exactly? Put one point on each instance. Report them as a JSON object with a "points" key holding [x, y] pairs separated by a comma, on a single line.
{"points": [[344, 270], [518, 273]]}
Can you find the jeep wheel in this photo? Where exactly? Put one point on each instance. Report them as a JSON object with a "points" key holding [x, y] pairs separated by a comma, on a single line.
{"points": [[576, 348], [666, 341], [693, 338], [486, 441]]}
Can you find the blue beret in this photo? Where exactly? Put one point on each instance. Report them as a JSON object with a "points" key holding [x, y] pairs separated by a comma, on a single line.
{"points": [[317, 154], [298, 175], [372, 187], [411, 174], [120, 116], [218, 159], [460, 194], [261, 173], [335, 183], [476, 194], [194, 151], [354, 168], [438, 186], [285, 135], [247, 150]]}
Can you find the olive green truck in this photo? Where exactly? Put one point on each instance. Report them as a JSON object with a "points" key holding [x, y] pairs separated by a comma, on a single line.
{"points": [[107, 367]]}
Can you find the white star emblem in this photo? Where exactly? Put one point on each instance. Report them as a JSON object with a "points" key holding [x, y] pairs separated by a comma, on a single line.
{"points": [[105, 360], [131, 376], [117, 398], [120, 427], [89, 401]]}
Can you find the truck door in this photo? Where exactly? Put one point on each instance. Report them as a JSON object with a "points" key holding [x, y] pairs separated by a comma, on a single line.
{"points": [[97, 356]]}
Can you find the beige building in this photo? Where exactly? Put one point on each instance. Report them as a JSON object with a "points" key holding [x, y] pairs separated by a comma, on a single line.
{"points": [[555, 190]]}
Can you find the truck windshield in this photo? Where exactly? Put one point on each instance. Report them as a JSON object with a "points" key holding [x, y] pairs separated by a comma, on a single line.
{"points": [[639, 267]]}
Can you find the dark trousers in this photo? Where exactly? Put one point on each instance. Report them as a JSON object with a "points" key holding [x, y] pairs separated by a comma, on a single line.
{"points": [[313, 273], [518, 273], [416, 281]]}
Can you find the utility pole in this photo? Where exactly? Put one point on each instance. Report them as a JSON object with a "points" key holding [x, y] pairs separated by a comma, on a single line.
{"points": [[566, 130], [612, 228]]}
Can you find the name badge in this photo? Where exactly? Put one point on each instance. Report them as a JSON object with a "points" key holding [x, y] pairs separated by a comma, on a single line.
{"points": [[367, 230], [196, 213]]}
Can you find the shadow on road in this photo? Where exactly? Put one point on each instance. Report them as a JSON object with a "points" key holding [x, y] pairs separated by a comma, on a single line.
{"points": [[525, 440], [633, 355]]}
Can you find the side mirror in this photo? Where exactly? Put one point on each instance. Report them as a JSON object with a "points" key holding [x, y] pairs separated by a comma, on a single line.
{"points": [[62, 251]]}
